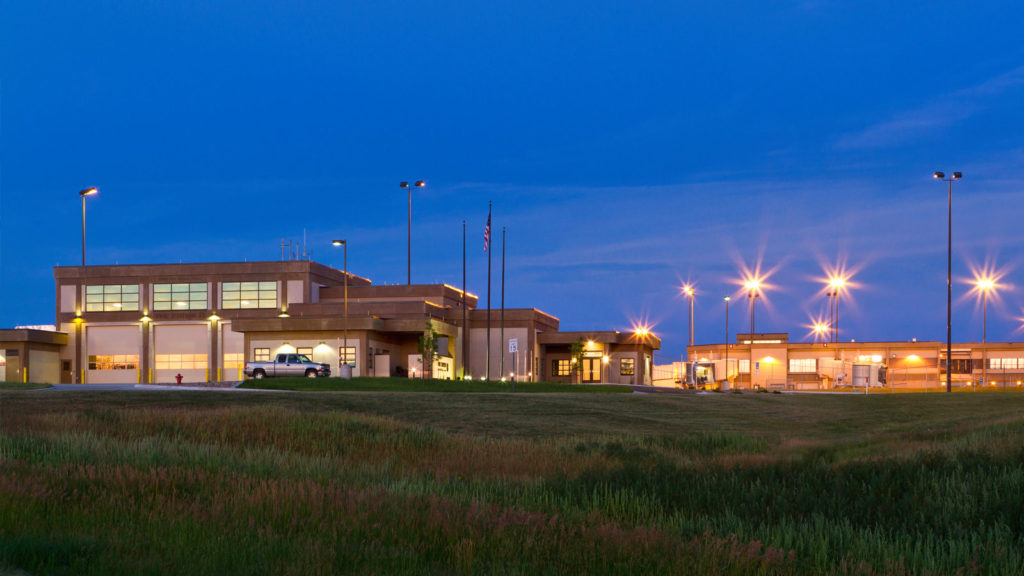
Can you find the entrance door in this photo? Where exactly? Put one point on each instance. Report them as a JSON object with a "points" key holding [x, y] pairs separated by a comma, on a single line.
{"points": [[591, 369]]}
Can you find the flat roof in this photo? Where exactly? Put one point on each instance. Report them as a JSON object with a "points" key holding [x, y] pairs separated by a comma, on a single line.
{"points": [[34, 336]]}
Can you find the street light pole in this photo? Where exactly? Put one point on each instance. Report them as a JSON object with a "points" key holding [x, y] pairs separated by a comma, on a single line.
{"points": [[688, 290], [752, 285], [985, 285], [409, 187], [727, 338], [83, 194], [984, 338], [345, 270], [949, 277]]}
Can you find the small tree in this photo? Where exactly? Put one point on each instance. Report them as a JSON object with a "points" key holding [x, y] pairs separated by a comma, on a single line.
{"points": [[576, 358], [428, 348]]}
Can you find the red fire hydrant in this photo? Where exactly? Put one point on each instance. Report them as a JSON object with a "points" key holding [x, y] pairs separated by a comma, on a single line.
{"points": [[178, 378]]}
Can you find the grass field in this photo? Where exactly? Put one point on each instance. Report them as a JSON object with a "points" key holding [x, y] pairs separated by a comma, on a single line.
{"points": [[386, 483], [368, 384], [22, 386]]}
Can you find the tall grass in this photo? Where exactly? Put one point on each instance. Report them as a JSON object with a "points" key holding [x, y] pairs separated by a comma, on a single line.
{"points": [[166, 484]]}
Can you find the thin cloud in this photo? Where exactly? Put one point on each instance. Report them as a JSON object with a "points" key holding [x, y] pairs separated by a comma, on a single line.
{"points": [[939, 114]]}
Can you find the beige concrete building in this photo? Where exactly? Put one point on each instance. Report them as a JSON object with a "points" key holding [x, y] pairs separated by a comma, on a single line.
{"points": [[150, 323]]}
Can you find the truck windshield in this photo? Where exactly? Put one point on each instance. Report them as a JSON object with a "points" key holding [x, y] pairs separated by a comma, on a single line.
{"points": [[302, 358]]}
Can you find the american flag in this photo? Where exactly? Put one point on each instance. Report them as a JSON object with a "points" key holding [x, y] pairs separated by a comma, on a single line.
{"points": [[487, 233]]}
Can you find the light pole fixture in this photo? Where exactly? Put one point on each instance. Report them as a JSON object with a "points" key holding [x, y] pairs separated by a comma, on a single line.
{"points": [[984, 285], [83, 193], [949, 276], [820, 328], [409, 187], [752, 287], [727, 337], [345, 270], [688, 290], [836, 284], [640, 334]]}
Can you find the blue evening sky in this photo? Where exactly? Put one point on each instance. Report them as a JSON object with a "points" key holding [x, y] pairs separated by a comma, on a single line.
{"points": [[628, 147]]}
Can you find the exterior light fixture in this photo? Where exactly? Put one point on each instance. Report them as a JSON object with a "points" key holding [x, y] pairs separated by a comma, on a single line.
{"points": [[689, 292], [83, 193], [949, 276], [409, 187]]}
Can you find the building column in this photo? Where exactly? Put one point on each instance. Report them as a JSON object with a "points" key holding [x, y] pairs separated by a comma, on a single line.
{"points": [[145, 367], [213, 363]]}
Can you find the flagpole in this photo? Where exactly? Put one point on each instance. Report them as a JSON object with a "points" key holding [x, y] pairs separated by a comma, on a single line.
{"points": [[465, 325], [488, 247], [501, 332]]}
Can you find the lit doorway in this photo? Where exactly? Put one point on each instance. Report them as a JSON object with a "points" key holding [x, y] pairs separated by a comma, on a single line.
{"points": [[591, 370]]}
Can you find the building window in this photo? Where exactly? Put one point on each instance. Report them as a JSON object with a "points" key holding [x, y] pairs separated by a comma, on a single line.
{"points": [[960, 365], [180, 361], [112, 298], [180, 296], [561, 367], [114, 362], [1006, 363], [803, 365], [261, 355], [744, 366], [347, 354], [308, 352], [627, 366], [244, 295], [234, 361]]}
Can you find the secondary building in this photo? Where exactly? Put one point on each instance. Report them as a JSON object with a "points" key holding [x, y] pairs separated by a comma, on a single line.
{"points": [[772, 361]]}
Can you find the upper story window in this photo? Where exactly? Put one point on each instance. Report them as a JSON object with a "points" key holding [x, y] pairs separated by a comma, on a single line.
{"points": [[112, 298], [180, 296], [243, 295]]}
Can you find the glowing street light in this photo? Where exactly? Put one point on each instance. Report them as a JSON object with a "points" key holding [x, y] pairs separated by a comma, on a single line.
{"points": [[820, 329], [949, 277], [752, 286], [985, 284], [640, 333], [688, 291], [836, 284], [409, 187], [83, 194]]}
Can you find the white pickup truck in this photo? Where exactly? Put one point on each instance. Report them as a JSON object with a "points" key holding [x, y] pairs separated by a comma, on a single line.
{"points": [[287, 365]]}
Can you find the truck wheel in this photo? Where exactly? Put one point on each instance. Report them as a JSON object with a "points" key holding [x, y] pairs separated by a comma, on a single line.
{"points": [[311, 373], [258, 374]]}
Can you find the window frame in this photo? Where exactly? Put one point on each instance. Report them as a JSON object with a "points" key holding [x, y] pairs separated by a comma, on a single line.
{"points": [[111, 298], [347, 354], [561, 367], [799, 366], [249, 295], [191, 299], [627, 366]]}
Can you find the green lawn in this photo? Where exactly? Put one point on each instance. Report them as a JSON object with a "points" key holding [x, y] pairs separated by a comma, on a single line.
{"points": [[22, 386], [367, 384], [401, 483]]}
